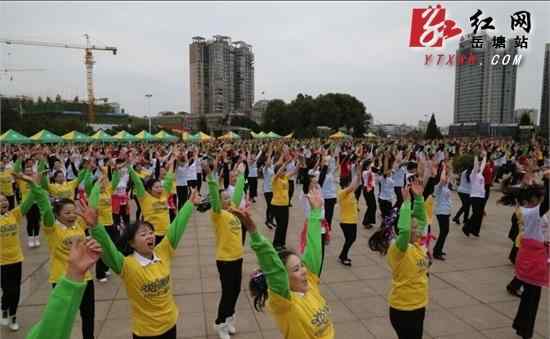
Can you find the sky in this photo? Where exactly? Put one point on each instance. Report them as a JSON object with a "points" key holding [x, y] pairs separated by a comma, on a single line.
{"points": [[300, 47]]}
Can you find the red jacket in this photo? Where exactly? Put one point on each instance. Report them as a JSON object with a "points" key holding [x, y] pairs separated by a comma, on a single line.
{"points": [[488, 172]]}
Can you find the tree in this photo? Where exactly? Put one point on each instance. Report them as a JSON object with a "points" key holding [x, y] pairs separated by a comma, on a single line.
{"points": [[48, 99], [39, 100], [76, 99], [58, 98], [246, 122], [525, 120], [432, 131]]}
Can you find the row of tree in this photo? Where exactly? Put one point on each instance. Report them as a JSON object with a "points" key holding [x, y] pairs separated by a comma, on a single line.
{"points": [[304, 114]]}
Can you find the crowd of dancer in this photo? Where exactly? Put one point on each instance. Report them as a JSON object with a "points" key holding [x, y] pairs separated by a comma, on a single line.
{"points": [[79, 197]]}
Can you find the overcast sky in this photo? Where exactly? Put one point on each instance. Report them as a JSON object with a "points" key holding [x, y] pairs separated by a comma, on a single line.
{"points": [[309, 47]]}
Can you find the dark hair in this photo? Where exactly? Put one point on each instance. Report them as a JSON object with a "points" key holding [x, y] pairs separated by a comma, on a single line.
{"points": [[521, 195], [345, 181], [59, 204], [128, 235], [55, 175], [381, 239], [149, 183], [258, 283]]}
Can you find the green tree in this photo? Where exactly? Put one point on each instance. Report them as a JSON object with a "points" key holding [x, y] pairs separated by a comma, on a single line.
{"points": [[39, 100], [58, 98], [246, 122], [76, 99], [525, 120], [432, 131]]}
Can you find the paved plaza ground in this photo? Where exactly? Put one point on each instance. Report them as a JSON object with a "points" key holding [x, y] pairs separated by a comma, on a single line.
{"points": [[468, 298]]}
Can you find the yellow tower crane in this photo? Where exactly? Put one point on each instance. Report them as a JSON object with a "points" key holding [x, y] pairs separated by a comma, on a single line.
{"points": [[88, 62]]}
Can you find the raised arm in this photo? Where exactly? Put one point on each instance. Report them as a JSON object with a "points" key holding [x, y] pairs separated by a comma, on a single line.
{"points": [[312, 254], [271, 265], [214, 194], [179, 225], [404, 222], [136, 180], [44, 206], [239, 187], [168, 182]]}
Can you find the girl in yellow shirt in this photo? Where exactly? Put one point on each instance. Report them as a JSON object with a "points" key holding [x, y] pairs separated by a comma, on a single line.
{"points": [[409, 264], [348, 214], [146, 271], [290, 284], [62, 226], [11, 256], [229, 249], [153, 199], [280, 202]]}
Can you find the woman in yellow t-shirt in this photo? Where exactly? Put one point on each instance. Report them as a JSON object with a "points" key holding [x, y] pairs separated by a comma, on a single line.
{"points": [[6, 183], [290, 284], [146, 270], [348, 214], [153, 199], [62, 226], [229, 249], [280, 201], [11, 256], [408, 261]]}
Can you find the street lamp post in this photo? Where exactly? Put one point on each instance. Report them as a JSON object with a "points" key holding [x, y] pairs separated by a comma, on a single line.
{"points": [[148, 96]]}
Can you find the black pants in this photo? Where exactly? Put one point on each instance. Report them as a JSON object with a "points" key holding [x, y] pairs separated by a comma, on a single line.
{"points": [[524, 322], [399, 196], [230, 278], [513, 254], [281, 219], [385, 208], [358, 193], [350, 234], [253, 182], [464, 208], [11, 201], [181, 191], [191, 184], [87, 310], [323, 244], [408, 324], [170, 334], [329, 209], [268, 210], [487, 195], [290, 191], [172, 214], [199, 181], [474, 223], [123, 214], [11, 286], [443, 221], [370, 213], [33, 221], [101, 267]]}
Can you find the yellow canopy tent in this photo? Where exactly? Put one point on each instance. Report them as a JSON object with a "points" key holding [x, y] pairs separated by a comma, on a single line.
{"points": [[289, 136], [339, 135]]}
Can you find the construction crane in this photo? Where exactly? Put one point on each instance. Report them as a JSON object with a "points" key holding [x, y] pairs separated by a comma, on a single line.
{"points": [[88, 62], [11, 70]]}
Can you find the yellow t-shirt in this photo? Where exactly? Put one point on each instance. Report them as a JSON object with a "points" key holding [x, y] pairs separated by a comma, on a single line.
{"points": [[105, 209], [150, 292], [409, 290], [155, 211], [64, 190], [10, 246], [429, 205], [228, 236], [280, 191], [59, 247], [6, 182], [348, 207], [143, 174], [302, 316]]}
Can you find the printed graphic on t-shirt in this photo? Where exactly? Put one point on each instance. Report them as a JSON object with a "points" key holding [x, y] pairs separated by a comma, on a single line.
{"points": [[8, 230], [156, 288], [320, 320]]}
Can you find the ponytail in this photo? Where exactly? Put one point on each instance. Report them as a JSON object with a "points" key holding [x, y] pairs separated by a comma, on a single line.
{"points": [[258, 289]]}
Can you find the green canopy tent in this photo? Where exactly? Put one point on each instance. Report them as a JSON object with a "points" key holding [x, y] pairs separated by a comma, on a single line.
{"points": [[124, 136], [166, 137], [260, 135], [146, 136], [76, 136], [101, 136], [12, 137], [46, 137], [273, 135]]}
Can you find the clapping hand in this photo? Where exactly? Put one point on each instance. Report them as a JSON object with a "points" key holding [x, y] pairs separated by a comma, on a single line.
{"points": [[87, 213], [84, 254], [315, 197], [195, 196]]}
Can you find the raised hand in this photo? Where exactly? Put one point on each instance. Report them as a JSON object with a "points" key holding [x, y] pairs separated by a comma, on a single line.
{"points": [[84, 254], [245, 218], [417, 187], [87, 213], [406, 193], [195, 196], [315, 197]]}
